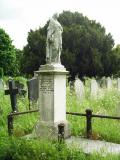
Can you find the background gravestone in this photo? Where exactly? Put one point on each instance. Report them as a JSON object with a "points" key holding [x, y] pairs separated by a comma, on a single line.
{"points": [[79, 89], [109, 83], [103, 82], [20, 86], [94, 88], [33, 89], [118, 84]]}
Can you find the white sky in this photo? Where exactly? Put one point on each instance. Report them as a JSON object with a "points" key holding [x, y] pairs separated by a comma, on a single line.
{"points": [[17, 17]]}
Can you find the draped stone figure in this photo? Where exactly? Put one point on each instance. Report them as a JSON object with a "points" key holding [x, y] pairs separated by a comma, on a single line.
{"points": [[54, 40]]}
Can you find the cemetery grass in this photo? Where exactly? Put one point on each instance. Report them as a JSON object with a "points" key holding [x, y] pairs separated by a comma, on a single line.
{"points": [[108, 103], [16, 148]]}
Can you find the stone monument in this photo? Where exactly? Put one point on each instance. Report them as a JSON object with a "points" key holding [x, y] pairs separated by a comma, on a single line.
{"points": [[94, 88], [79, 89], [109, 83], [52, 86], [118, 84]]}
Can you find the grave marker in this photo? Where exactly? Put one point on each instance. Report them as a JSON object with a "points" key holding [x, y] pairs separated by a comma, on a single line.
{"points": [[109, 83], [94, 88], [118, 84], [33, 89], [20, 86], [52, 87], [79, 89], [12, 91]]}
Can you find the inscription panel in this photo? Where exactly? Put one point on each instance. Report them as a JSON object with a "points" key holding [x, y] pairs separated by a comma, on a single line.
{"points": [[46, 97], [46, 84]]}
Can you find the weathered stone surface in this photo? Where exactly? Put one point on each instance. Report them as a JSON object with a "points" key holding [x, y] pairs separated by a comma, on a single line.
{"points": [[91, 146], [79, 89], [51, 101], [109, 83], [94, 88]]}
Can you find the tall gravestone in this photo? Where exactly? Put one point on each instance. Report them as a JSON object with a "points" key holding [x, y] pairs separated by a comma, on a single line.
{"points": [[79, 89], [118, 84], [109, 83], [52, 86], [94, 88]]}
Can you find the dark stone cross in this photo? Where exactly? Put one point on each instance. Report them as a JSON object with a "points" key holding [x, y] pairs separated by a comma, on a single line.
{"points": [[13, 97]]}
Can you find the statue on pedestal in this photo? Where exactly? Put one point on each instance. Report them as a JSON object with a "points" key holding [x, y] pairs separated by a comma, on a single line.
{"points": [[54, 41]]}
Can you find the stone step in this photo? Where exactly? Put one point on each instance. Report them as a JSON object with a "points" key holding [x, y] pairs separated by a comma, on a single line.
{"points": [[93, 146]]}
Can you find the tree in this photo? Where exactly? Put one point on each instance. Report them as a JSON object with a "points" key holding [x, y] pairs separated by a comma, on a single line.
{"points": [[7, 54], [115, 61], [34, 51], [88, 42], [86, 47]]}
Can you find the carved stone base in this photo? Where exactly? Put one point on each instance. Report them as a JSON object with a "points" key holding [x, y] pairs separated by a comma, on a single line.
{"points": [[49, 130]]}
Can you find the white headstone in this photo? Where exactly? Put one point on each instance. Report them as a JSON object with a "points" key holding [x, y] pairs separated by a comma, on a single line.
{"points": [[109, 83], [118, 84], [79, 89], [94, 88]]}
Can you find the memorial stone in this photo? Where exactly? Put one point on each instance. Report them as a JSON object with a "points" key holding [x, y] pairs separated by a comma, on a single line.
{"points": [[33, 89], [103, 82], [12, 91], [118, 84], [52, 86], [109, 83], [94, 88], [20, 87], [79, 89]]}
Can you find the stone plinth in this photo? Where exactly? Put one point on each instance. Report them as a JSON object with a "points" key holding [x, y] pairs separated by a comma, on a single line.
{"points": [[52, 101]]}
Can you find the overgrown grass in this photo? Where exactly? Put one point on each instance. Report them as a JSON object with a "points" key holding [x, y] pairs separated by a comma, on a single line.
{"points": [[36, 149], [108, 103], [16, 148]]}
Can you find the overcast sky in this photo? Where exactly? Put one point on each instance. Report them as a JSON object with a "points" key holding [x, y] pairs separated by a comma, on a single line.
{"points": [[17, 17]]}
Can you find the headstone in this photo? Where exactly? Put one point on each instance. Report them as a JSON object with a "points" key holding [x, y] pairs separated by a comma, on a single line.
{"points": [[109, 83], [94, 88], [118, 84], [79, 89], [13, 91], [52, 87], [20, 87], [1, 85], [103, 83], [71, 84], [33, 89]]}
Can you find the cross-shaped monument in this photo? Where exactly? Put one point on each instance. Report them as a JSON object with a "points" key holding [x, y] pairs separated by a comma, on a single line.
{"points": [[12, 91]]}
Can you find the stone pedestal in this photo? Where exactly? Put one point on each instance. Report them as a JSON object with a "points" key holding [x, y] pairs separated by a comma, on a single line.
{"points": [[52, 101]]}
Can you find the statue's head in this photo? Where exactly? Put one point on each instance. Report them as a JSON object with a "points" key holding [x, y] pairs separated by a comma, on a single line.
{"points": [[55, 15]]}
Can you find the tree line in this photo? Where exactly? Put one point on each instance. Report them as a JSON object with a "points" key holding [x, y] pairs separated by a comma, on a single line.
{"points": [[87, 49]]}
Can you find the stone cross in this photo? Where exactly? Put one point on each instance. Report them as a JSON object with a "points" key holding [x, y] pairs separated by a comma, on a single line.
{"points": [[12, 91]]}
